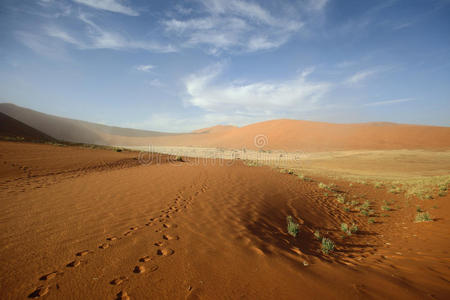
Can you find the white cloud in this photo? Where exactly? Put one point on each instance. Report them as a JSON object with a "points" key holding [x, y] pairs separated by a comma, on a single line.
{"points": [[360, 76], [316, 5], [258, 98], [109, 5], [98, 38], [145, 68], [388, 102], [231, 25]]}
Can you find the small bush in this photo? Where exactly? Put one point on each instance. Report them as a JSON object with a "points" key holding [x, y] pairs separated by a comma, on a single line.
{"points": [[442, 194], [423, 217], [346, 209], [371, 221], [322, 185], [292, 226], [118, 150], [384, 215], [418, 209], [327, 245], [325, 194], [179, 158], [364, 212], [354, 228], [385, 208], [378, 185], [365, 205], [340, 199], [354, 203], [344, 227], [317, 235]]}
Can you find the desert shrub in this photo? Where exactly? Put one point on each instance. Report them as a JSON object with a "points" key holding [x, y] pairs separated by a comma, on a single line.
{"points": [[442, 194], [395, 190], [384, 215], [364, 212], [443, 187], [292, 226], [178, 158], [385, 208], [378, 185], [354, 228], [423, 217], [340, 199], [418, 209], [346, 209], [317, 234], [354, 203], [371, 221], [322, 185], [344, 227], [327, 245], [118, 150], [428, 196], [325, 194], [350, 184]]}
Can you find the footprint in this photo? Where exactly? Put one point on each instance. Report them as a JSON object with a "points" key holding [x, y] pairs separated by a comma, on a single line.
{"points": [[118, 281], [113, 238], [73, 264], [145, 259], [169, 237], [82, 253], [39, 292], [153, 268], [165, 252], [49, 276], [128, 233], [122, 295], [159, 244], [104, 246], [165, 225], [139, 269], [134, 228]]}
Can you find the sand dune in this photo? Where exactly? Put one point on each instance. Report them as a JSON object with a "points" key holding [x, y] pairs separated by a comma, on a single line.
{"points": [[13, 129], [93, 224], [288, 135]]}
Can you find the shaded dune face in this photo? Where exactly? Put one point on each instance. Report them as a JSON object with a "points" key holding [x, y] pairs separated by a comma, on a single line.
{"points": [[203, 231]]}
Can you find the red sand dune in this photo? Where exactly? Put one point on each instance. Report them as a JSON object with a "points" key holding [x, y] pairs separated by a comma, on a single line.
{"points": [[79, 223], [290, 135]]}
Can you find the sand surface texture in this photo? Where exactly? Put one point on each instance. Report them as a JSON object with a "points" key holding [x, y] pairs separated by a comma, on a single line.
{"points": [[79, 223]]}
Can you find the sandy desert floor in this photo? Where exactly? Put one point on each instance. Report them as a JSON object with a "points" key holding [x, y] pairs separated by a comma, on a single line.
{"points": [[79, 223]]}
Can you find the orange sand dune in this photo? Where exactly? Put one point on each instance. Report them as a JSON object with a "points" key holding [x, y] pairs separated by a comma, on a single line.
{"points": [[111, 229], [289, 135]]}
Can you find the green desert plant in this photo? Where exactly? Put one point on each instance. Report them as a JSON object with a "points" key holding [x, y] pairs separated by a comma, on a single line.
{"points": [[442, 194], [317, 235], [346, 209], [364, 212], [292, 226], [344, 227], [354, 203], [423, 217], [178, 158], [327, 245], [385, 208], [340, 199], [378, 185], [365, 205], [322, 185], [418, 209], [371, 221]]}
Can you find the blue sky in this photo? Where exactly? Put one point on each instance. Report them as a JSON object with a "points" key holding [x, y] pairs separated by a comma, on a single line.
{"points": [[178, 66]]}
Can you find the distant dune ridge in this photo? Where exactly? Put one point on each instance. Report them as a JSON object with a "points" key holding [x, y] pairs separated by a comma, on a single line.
{"points": [[284, 134]]}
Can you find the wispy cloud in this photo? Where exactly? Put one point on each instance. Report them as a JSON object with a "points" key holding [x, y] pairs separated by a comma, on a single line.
{"points": [[360, 76], [258, 98], [231, 25], [389, 102], [96, 37], [145, 68], [109, 5]]}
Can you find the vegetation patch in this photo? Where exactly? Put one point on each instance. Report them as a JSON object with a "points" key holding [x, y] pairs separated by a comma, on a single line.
{"points": [[327, 245], [292, 226], [423, 217]]}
